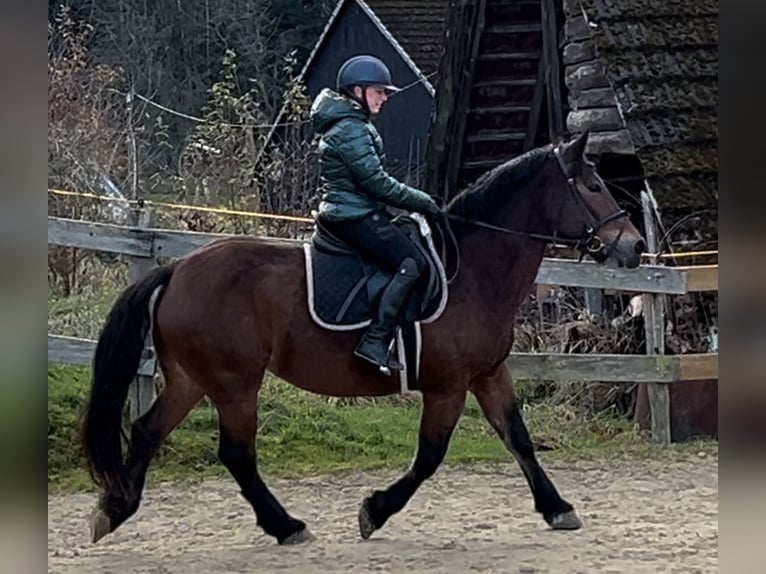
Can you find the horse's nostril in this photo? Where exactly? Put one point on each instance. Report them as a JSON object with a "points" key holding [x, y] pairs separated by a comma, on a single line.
{"points": [[639, 246]]}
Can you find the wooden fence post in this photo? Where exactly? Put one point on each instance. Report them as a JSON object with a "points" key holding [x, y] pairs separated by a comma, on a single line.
{"points": [[143, 390], [654, 323]]}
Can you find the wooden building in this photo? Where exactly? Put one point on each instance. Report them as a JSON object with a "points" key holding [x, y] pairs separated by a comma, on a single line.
{"points": [[407, 35], [640, 75], [643, 76]]}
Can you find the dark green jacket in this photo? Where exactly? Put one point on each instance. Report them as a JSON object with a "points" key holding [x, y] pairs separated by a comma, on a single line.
{"points": [[353, 181]]}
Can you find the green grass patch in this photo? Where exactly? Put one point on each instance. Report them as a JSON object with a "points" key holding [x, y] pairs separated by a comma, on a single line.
{"points": [[302, 434]]}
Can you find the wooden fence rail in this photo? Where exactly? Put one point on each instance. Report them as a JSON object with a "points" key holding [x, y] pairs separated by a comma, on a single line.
{"points": [[660, 369], [76, 351], [143, 242], [144, 245]]}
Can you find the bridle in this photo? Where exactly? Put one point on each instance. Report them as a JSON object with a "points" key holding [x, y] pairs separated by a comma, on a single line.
{"points": [[588, 242]]}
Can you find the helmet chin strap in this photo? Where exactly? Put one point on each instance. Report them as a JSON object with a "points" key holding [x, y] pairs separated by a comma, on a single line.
{"points": [[363, 100]]}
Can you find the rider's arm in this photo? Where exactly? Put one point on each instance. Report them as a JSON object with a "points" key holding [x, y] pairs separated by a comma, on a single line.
{"points": [[357, 150]]}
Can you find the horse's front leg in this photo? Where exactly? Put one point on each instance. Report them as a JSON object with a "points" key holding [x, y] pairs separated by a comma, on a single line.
{"points": [[498, 401], [440, 415]]}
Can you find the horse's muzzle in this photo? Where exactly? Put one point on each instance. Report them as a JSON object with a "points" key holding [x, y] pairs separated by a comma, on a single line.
{"points": [[628, 250]]}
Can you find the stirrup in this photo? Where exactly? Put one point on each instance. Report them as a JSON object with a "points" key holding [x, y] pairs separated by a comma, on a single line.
{"points": [[391, 365]]}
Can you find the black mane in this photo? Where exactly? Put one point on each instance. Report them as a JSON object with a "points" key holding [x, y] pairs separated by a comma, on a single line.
{"points": [[490, 192]]}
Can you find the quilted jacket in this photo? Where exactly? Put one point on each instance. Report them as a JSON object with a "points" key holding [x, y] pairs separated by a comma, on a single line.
{"points": [[353, 181]]}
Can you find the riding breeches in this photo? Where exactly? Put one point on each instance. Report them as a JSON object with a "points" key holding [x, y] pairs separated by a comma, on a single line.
{"points": [[378, 240]]}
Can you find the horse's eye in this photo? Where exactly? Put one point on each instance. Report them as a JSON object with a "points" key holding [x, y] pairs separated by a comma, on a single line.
{"points": [[594, 188]]}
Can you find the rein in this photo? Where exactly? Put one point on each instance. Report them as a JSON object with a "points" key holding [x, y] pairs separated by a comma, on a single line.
{"points": [[589, 242]]}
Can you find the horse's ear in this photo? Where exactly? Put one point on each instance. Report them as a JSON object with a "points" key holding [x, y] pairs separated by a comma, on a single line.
{"points": [[575, 151]]}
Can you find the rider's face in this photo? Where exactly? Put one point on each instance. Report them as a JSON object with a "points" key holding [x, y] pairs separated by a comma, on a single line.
{"points": [[376, 97]]}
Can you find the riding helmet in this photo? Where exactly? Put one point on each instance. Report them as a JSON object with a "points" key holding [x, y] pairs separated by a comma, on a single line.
{"points": [[364, 70]]}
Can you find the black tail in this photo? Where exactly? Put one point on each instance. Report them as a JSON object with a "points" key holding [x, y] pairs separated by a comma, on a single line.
{"points": [[115, 364]]}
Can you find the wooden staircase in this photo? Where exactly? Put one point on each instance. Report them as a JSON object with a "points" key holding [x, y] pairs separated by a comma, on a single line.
{"points": [[506, 88]]}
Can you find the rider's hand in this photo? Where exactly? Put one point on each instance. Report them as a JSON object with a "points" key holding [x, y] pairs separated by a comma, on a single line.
{"points": [[431, 208]]}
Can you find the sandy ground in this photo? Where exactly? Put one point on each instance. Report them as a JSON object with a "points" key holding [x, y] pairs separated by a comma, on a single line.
{"points": [[640, 516]]}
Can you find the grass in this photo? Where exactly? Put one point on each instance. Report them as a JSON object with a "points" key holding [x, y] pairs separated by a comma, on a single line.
{"points": [[83, 314], [302, 434]]}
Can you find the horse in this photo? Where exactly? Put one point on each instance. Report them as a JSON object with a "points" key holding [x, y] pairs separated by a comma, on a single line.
{"points": [[232, 310]]}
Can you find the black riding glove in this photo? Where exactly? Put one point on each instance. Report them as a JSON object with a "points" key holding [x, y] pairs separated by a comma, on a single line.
{"points": [[431, 208]]}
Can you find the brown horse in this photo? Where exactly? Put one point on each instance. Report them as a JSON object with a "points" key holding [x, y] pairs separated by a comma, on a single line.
{"points": [[236, 308]]}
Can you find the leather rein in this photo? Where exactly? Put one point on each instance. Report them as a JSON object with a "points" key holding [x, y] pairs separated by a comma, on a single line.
{"points": [[588, 242]]}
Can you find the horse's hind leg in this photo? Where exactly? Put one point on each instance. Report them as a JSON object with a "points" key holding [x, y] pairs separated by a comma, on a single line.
{"points": [[147, 434], [440, 415], [238, 425], [498, 401]]}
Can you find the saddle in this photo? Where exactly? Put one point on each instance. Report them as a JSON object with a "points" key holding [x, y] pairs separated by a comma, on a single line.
{"points": [[343, 287]]}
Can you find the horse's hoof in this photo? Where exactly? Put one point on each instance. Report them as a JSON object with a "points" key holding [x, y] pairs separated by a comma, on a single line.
{"points": [[299, 537], [566, 521], [100, 525], [366, 525]]}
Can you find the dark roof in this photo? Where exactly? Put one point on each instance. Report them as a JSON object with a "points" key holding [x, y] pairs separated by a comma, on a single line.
{"points": [[661, 57], [418, 25]]}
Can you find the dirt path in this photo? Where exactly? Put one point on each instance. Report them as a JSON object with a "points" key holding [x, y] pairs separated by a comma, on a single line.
{"points": [[640, 516]]}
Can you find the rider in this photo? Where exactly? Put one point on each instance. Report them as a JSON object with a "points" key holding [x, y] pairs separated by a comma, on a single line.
{"points": [[355, 189]]}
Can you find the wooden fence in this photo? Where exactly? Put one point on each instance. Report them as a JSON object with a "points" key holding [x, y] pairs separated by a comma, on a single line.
{"points": [[144, 244]]}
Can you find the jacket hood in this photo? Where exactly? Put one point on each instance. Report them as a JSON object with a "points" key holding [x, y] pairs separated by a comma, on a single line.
{"points": [[329, 107]]}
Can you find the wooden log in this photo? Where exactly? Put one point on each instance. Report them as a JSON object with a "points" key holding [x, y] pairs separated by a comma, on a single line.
{"points": [[618, 141], [577, 52], [586, 76], [576, 29], [594, 98], [596, 119], [572, 7]]}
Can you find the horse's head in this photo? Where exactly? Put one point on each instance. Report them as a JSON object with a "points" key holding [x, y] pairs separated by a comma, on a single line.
{"points": [[588, 212]]}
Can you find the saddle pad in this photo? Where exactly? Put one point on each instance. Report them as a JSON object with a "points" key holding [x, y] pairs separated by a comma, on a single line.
{"points": [[342, 288]]}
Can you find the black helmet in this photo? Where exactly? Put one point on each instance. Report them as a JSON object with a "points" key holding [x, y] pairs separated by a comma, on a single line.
{"points": [[364, 71]]}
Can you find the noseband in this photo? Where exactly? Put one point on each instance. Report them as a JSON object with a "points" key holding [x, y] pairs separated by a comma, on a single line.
{"points": [[589, 242]]}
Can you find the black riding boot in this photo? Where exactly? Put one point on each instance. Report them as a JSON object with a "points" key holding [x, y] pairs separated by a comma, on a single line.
{"points": [[374, 345]]}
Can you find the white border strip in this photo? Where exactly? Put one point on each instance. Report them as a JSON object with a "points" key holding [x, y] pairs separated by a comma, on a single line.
{"points": [[418, 349], [403, 360], [425, 231]]}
